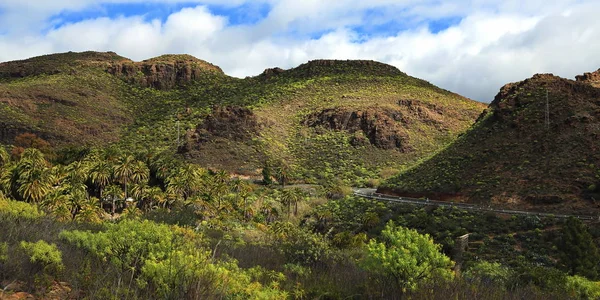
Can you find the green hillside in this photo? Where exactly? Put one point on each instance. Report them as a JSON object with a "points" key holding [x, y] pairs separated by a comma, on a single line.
{"points": [[321, 120], [512, 157]]}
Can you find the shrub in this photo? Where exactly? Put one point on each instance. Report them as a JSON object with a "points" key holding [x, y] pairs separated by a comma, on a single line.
{"points": [[47, 256], [17, 209], [406, 257]]}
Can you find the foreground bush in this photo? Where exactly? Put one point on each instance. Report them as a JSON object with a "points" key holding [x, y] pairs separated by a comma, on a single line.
{"points": [[169, 262]]}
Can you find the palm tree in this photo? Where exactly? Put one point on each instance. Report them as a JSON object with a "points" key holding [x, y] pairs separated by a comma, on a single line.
{"points": [[156, 195], [242, 189], [128, 169], [299, 197], [31, 176], [100, 174], [217, 186], [185, 181], [34, 184], [7, 172], [113, 192], [289, 197], [4, 156]]}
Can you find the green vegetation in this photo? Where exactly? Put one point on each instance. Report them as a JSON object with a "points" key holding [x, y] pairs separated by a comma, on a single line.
{"points": [[189, 232], [75, 99], [125, 185], [407, 257], [511, 158]]}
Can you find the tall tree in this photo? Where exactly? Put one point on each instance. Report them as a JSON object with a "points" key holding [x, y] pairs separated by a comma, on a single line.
{"points": [[578, 251], [33, 176], [100, 174], [289, 197], [185, 181]]}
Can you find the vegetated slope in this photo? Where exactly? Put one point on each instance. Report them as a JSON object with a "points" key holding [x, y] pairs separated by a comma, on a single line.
{"points": [[512, 157], [331, 118], [322, 119], [64, 98], [86, 98]]}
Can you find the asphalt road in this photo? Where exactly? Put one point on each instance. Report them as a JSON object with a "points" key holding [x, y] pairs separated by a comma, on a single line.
{"points": [[371, 194]]}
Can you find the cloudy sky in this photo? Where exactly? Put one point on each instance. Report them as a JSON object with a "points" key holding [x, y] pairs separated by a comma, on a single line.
{"points": [[472, 47]]}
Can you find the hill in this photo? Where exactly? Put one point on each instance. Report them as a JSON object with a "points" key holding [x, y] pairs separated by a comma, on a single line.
{"points": [[514, 158], [320, 120]]}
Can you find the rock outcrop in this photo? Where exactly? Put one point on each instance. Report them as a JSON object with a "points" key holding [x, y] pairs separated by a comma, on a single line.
{"points": [[592, 78], [229, 122], [382, 128], [164, 72]]}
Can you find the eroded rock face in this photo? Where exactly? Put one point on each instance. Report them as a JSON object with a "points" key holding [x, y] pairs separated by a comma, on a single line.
{"points": [[382, 128], [230, 122], [163, 73], [592, 78]]}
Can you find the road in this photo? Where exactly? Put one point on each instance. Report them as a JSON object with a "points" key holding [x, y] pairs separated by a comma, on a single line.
{"points": [[372, 194]]}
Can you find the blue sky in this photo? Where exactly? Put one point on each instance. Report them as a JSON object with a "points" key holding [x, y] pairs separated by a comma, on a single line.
{"points": [[472, 47], [375, 21]]}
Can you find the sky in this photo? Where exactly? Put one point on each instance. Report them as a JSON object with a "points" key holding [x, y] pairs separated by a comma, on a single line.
{"points": [[471, 47]]}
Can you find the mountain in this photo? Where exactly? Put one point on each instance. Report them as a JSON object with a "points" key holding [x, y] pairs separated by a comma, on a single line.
{"points": [[514, 156], [321, 120], [64, 98]]}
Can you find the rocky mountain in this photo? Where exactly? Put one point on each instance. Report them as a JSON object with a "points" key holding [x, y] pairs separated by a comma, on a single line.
{"points": [[323, 119], [537, 144], [592, 78], [164, 72]]}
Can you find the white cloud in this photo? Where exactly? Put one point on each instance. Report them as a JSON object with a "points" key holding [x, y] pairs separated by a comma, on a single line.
{"points": [[496, 42]]}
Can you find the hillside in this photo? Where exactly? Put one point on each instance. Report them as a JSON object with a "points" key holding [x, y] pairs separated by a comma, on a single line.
{"points": [[64, 98], [321, 120], [326, 119], [512, 158]]}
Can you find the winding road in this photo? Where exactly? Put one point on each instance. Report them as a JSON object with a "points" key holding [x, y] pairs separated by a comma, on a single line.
{"points": [[372, 194]]}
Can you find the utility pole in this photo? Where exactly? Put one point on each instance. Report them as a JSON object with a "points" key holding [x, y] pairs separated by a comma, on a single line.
{"points": [[547, 112]]}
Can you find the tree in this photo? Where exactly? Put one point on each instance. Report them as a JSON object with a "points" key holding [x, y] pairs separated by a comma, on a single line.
{"points": [[266, 173], [130, 170], [4, 156], [101, 173], [114, 193], [406, 257], [242, 190], [185, 181], [578, 252], [124, 171], [33, 177], [291, 197], [218, 186]]}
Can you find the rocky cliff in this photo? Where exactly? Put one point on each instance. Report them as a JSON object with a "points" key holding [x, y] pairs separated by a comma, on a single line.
{"points": [[383, 128], [164, 72], [592, 78]]}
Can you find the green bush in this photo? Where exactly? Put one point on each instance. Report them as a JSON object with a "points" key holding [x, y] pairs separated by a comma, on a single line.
{"points": [[407, 257], [168, 261], [17, 209], [45, 255], [488, 272], [582, 288], [298, 245]]}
